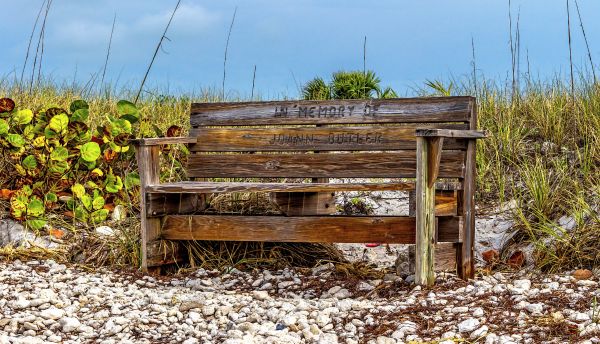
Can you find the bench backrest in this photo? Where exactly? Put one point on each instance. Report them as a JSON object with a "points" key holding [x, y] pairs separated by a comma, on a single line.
{"points": [[283, 135]]}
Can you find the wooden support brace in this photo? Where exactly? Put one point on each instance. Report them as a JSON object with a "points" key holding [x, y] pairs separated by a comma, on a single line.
{"points": [[428, 158], [149, 169]]}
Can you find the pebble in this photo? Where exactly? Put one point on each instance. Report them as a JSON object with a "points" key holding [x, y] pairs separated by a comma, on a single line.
{"points": [[468, 325], [69, 324]]}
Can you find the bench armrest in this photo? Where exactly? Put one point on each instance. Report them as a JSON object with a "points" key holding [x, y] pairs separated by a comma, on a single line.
{"points": [[154, 141], [452, 133]]}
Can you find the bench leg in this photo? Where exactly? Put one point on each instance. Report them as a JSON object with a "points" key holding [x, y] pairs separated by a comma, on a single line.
{"points": [[149, 169], [428, 160], [466, 208]]}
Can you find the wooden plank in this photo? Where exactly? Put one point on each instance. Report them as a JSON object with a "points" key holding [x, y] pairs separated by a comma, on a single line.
{"points": [[159, 204], [162, 252], [310, 139], [149, 170], [221, 187], [434, 154], [304, 203], [466, 260], [341, 229], [423, 110], [464, 134], [445, 257], [446, 203], [399, 164], [151, 141], [425, 217]]}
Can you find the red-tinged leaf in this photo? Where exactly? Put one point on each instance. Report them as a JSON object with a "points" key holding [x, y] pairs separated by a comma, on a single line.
{"points": [[109, 206], [174, 131], [51, 112], [56, 233], [516, 260], [6, 194], [69, 213], [97, 140], [490, 256], [583, 274], [6, 105], [109, 155]]}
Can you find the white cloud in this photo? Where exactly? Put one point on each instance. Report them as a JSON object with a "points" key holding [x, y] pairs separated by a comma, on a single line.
{"points": [[190, 18], [82, 32]]}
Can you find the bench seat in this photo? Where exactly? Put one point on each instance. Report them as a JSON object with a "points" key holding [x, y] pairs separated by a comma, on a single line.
{"points": [[221, 187]]}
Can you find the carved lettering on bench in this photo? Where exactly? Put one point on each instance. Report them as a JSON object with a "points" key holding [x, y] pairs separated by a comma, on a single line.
{"points": [[331, 139], [299, 111]]}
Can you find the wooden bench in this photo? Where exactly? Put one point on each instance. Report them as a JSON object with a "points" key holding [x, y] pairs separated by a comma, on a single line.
{"points": [[412, 143]]}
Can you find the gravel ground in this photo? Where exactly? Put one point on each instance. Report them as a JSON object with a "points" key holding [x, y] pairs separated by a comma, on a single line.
{"points": [[50, 302]]}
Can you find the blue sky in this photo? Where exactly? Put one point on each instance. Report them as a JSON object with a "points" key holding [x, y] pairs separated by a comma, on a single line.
{"points": [[292, 41]]}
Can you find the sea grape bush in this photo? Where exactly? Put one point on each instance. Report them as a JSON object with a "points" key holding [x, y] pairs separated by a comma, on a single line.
{"points": [[53, 155]]}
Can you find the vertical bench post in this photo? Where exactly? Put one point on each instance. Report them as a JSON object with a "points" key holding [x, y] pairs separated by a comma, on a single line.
{"points": [[149, 169], [429, 151], [466, 202]]}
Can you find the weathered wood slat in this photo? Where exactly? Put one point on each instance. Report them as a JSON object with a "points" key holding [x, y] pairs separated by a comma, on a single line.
{"points": [[425, 211], [152, 141], [450, 133], [149, 169], [341, 229], [445, 257], [311, 139], [466, 260], [442, 109], [219, 187], [446, 203], [304, 203], [399, 164], [158, 204], [434, 153]]}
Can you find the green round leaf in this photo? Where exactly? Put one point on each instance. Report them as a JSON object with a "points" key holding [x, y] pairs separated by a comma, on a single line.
{"points": [[81, 214], [90, 165], [58, 168], [35, 208], [86, 200], [49, 133], [114, 183], [50, 198], [128, 111], [98, 202], [90, 151], [78, 190], [59, 123], [80, 115], [15, 140], [3, 127], [78, 105], [22, 116], [36, 224], [99, 216], [18, 207], [59, 154], [132, 179], [119, 126], [29, 162]]}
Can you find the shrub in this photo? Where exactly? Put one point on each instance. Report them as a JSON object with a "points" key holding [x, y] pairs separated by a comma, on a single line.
{"points": [[53, 154]]}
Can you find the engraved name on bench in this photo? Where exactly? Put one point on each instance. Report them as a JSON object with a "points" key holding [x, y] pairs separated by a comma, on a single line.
{"points": [[331, 139]]}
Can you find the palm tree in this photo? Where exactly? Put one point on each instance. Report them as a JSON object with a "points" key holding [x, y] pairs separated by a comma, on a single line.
{"points": [[347, 85]]}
